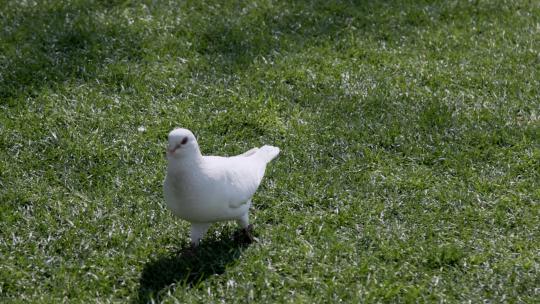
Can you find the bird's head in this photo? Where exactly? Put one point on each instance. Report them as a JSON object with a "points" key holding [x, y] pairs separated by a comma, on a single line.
{"points": [[182, 144]]}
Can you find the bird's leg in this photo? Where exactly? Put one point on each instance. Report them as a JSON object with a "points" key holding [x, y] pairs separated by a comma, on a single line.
{"points": [[197, 232], [246, 234], [243, 221]]}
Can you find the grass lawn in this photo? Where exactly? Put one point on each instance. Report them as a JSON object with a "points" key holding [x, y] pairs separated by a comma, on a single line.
{"points": [[409, 130]]}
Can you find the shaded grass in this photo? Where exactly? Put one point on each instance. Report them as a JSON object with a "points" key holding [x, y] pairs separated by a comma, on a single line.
{"points": [[409, 135], [187, 267]]}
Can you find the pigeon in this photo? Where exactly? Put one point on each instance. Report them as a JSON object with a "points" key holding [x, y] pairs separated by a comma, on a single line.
{"points": [[207, 189]]}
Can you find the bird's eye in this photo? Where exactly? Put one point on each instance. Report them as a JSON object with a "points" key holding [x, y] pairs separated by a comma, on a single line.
{"points": [[184, 141]]}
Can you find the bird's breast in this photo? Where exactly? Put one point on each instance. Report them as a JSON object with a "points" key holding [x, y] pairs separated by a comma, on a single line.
{"points": [[201, 199]]}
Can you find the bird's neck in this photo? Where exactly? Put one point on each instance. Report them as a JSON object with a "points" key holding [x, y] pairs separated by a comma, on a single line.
{"points": [[186, 163]]}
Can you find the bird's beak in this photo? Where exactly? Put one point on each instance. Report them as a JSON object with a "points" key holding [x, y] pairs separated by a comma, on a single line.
{"points": [[172, 150]]}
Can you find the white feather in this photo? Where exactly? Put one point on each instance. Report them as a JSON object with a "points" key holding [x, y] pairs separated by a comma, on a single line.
{"points": [[206, 189]]}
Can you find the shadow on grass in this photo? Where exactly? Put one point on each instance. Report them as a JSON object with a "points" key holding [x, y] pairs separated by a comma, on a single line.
{"points": [[42, 45], [65, 40], [187, 268]]}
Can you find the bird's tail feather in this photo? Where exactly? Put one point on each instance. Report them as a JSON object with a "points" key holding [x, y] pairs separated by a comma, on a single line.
{"points": [[268, 153], [249, 153]]}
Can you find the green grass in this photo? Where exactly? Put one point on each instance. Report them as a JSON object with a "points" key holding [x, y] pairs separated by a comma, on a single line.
{"points": [[409, 131]]}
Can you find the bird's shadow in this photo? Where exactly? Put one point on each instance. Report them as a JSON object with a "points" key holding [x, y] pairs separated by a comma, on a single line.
{"points": [[187, 267]]}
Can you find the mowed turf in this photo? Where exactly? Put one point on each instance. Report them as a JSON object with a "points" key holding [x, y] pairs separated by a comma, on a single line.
{"points": [[409, 132]]}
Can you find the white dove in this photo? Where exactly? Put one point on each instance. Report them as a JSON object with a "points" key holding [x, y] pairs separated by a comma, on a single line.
{"points": [[207, 189]]}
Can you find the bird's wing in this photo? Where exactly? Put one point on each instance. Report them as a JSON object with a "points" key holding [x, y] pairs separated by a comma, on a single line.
{"points": [[248, 153], [236, 178]]}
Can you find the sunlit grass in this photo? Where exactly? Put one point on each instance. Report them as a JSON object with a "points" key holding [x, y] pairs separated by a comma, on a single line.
{"points": [[409, 134]]}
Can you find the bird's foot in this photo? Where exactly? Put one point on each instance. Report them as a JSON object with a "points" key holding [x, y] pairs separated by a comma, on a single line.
{"points": [[191, 251], [245, 236]]}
